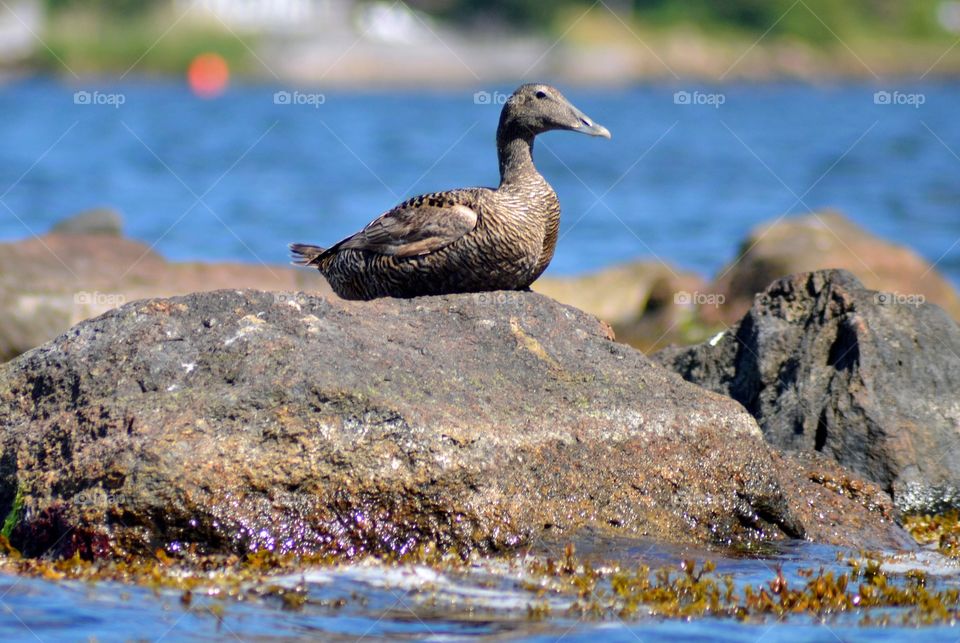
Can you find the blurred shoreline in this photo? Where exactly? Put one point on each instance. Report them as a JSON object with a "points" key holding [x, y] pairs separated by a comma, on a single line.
{"points": [[477, 63], [673, 57], [369, 66], [348, 44]]}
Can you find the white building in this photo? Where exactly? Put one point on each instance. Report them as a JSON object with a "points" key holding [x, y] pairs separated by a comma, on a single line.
{"points": [[269, 15], [19, 21]]}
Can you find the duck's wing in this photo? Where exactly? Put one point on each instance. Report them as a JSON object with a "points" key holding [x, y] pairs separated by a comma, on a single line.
{"points": [[422, 225]]}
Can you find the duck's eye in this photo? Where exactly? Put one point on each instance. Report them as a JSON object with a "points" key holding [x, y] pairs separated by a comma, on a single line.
{"points": [[541, 94]]}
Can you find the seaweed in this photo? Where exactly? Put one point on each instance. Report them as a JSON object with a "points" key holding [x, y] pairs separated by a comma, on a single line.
{"points": [[13, 516], [566, 587], [941, 530]]}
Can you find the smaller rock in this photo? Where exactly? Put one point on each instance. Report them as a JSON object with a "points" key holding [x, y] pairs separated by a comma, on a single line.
{"points": [[822, 241], [871, 379], [104, 221], [50, 283], [638, 299], [833, 502]]}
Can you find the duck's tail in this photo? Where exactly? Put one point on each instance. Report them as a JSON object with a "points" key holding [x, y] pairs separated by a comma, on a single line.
{"points": [[304, 254]]}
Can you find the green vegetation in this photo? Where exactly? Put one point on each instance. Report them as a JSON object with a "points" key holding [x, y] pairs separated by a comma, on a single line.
{"points": [[751, 38], [13, 516], [811, 20], [115, 7], [120, 37], [700, 37]]}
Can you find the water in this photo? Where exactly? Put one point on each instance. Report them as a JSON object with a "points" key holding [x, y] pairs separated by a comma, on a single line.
{"points": [[239, 177], [420, 603]]}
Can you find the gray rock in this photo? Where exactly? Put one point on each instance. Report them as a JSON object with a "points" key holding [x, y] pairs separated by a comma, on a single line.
{"points": [[238, 420], [49, 283], [870, 379], [96, 221]]}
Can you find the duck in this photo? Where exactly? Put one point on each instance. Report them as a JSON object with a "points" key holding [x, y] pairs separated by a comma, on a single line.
{"points": [[464, 240]]}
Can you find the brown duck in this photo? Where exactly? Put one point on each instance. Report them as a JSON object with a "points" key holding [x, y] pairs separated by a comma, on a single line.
{"points": [[467, 240]]}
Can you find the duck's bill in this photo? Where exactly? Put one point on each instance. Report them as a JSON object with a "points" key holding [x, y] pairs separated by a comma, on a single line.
{"points": [[594, 129], [586, 125]]}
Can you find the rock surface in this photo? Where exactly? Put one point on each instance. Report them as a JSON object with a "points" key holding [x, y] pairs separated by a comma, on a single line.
{"points": [[237, 420], [869, 379], [823, 241], [51, 282]]}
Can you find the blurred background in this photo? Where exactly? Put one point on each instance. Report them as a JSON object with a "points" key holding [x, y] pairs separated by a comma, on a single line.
{"points": [[465, 42], [219, 131]]}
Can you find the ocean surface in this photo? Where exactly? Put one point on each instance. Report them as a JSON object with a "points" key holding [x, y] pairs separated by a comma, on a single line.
{"points": [[484, 602], [684, 178]]}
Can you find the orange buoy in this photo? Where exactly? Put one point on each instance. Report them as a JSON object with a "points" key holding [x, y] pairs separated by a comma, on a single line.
{"points": [[208, 75]]}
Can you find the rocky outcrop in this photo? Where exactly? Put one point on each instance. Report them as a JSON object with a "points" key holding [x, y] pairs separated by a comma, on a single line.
{"points": [[237, 420], [871, 379], [822, 241], [51, 282]]}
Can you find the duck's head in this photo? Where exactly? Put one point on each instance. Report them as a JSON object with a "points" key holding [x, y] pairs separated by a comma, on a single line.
{"points": [[536, 108]]}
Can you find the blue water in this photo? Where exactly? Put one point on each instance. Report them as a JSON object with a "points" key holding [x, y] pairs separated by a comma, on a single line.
{"points": [[680, 182], [379, 604], [238, 177]]}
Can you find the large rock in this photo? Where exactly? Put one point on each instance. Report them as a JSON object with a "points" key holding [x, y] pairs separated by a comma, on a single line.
{"points": [[51, 282], [823, 241], [868, 378], [236, 420]]}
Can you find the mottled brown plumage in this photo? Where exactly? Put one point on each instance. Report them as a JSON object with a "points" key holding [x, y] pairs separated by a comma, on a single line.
{"points": [[466, 240]]}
